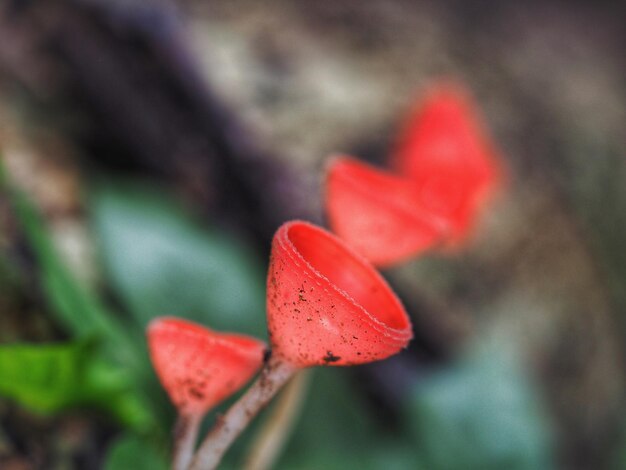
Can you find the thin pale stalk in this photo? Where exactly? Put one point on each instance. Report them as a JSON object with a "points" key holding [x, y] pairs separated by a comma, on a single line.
{"points": [[228, 427], [273, 435], [185, 436]]}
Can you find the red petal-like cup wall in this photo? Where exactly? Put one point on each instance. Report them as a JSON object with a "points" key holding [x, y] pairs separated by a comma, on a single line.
{"points": [[199, 367]]}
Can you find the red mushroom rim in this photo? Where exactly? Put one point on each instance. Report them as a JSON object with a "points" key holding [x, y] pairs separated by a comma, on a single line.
{"points": [[349, 275], [243, 347]]}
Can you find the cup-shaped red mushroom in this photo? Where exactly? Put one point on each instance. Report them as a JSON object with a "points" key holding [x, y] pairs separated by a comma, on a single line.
{"points": [[199, 367], [327, 305], [379, 214], [445, 150]]}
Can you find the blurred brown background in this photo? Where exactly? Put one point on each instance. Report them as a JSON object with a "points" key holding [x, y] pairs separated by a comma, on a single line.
{"points": [[235, 106]]}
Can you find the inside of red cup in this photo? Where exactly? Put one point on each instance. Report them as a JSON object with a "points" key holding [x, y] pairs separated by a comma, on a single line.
{"points": [[348, 272]]}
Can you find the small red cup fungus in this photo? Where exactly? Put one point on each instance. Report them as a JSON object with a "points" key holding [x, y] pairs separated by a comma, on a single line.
{"points": [[199, 367], [326, 304], [445, 150], [378, 213]]}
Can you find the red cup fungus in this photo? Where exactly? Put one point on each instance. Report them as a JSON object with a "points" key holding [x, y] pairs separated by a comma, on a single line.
{"points": [[326, 305], [378, 213], [199, 367], [446, 152]]}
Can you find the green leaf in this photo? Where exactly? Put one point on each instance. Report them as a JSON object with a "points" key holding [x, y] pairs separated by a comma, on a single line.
{"points": [[80, 311], [51, 378], [481, 414], [74, 305], [163, 263], [132, 452], [338, 430]]}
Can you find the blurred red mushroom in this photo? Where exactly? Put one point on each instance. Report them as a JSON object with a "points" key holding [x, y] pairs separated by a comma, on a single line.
{"points": [[379, 213], [445, 150], [445, 171]]}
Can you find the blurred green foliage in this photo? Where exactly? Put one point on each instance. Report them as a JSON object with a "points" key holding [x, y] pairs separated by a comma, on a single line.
{"points": [[50, 378], [338, 429], [162, 262], [482, 413], [76, 308], [131, 452]]}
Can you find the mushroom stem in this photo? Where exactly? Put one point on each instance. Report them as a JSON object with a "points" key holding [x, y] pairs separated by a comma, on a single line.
{"points": [[185, 436], [228, 427], [276, 429]]}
